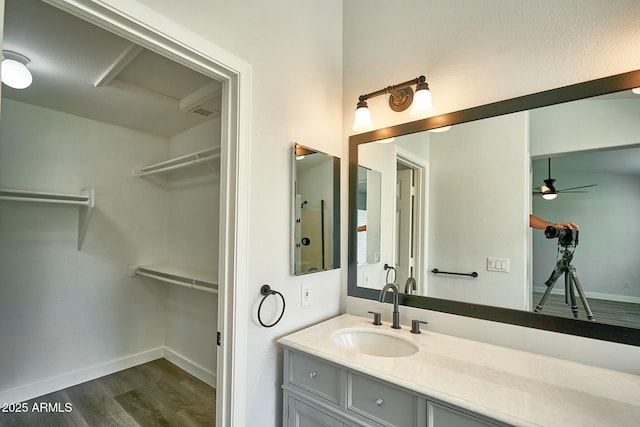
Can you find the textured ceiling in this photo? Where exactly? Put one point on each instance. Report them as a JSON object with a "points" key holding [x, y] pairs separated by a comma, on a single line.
{"points": [[68, 56]]}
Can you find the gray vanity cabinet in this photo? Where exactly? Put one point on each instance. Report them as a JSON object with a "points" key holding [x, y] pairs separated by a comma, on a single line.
{"points": [[317, 393]]}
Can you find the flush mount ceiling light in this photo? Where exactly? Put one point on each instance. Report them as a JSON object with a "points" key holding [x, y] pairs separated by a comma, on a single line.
{"points": [[401, 97], [15, 73], [636, 90]]}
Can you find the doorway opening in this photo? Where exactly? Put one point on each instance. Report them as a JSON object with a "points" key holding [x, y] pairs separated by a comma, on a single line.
{"points": [[224, 87], [410, 223]]}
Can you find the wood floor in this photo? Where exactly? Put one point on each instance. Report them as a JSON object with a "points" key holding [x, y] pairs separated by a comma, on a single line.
{"points": [[611, 312], [157, 393]]}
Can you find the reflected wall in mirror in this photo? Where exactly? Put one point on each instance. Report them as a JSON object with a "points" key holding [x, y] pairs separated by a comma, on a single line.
{"points": [[472, 195], [315, 210], [473, 171], [369, 211]]}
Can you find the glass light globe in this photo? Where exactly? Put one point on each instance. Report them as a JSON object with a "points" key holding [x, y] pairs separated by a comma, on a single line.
{"points": [[421, 106], [15, 74], [362, 122]]}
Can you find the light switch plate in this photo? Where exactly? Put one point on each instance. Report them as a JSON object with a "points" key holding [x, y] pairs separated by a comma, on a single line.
{"points": [[498, 264]]}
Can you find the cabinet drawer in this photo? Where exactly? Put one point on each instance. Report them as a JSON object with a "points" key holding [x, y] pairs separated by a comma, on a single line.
{"points": [[315, 376], [443, 416], [381, 401]]}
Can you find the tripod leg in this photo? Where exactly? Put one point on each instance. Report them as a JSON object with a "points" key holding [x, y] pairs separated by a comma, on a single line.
{"points": [[551, 282], [567, 287], [583, 299], [570, 294]]}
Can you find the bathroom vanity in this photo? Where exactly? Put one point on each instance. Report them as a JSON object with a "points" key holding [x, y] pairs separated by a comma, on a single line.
{"points": [[348, 372]]}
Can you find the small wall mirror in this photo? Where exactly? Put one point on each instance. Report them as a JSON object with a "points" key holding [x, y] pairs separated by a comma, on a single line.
{"points": [[315, 211]]}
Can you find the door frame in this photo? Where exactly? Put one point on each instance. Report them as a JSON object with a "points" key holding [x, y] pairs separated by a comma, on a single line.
{"points": [[420, 214], [151, 30]]}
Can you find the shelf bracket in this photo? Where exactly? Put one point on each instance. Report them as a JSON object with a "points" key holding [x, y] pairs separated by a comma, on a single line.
{"points": [[85, 215]]}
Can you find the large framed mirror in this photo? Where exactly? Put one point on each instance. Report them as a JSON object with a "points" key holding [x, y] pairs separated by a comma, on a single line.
{"points": [[315, 211], [456, 209]]}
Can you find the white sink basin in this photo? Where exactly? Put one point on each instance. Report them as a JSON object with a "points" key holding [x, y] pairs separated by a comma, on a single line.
{"points": [[374, 342]]}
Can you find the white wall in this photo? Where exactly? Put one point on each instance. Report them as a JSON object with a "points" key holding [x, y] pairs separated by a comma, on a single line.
{"points": [[67, 314], [479, 171], [474, 53], [295, 50], [192, 240], [585, 125]]}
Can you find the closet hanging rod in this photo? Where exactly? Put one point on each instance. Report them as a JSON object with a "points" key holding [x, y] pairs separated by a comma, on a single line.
{"points": [[179, 162], [147, 171], [188, 284], [40, 197]]}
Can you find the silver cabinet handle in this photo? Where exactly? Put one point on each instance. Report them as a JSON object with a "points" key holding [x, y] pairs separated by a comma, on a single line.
{"points": [[379, 402], [312, 374]]}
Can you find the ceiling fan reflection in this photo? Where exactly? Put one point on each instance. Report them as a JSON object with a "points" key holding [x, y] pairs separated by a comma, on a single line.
{"points": [[549, 192]]}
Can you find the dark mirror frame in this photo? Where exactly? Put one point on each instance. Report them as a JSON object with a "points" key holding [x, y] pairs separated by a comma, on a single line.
{"points": [[600, 331]]}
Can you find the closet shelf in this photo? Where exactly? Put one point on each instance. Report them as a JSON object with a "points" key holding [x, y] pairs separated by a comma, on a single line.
{"points": [[179, 162], [85, 201], [201, 280]]}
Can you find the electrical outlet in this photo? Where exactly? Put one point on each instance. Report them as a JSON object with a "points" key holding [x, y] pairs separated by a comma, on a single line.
{"points": [[627, 285], [306, 294]]}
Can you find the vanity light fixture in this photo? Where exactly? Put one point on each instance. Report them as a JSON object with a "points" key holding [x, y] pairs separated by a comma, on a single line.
{"points": [[401, 97], [15, 73]]}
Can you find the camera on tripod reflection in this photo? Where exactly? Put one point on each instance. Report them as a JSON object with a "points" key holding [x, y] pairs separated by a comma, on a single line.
{"points": [[566, 236]]}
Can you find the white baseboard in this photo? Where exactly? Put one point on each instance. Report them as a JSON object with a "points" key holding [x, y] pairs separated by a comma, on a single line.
{"points": [[559, 290], [190, 366], [49, 385]]}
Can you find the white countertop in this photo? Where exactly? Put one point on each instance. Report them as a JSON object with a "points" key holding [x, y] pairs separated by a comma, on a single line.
{"points": [[512, 386]]}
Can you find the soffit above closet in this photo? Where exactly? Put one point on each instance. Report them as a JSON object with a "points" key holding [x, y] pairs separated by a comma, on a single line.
{"points": [[68, 56]]}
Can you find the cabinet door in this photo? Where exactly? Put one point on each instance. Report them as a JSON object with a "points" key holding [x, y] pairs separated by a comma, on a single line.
{"points": [[303, 415], [443, 416]]}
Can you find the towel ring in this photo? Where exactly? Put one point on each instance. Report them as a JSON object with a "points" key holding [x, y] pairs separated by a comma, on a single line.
{"points": [[266, 291]]}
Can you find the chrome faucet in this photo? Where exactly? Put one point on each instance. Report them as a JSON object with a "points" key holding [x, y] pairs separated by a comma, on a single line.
{"points": [[396, 312], [410, 285]]}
